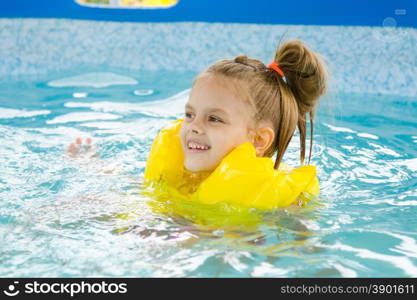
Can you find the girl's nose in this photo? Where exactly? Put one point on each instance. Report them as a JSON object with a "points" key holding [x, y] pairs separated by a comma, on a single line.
{"points": [[195, 127]]}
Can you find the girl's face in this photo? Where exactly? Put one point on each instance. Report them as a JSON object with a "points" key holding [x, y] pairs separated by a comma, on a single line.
{"points": [[215, 122]]}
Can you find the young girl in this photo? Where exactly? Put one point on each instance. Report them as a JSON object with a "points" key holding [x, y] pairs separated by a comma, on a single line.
{"points": [[242, 100], [239, 114]]}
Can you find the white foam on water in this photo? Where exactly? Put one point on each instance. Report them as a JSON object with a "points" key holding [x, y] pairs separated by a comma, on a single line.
{"points": [[95, 79], [233, 258], [410, 164], [172, 106], [401, 262], [339, 129], [385, 150], [60, 131], [345, 272], [105, 125], [408, 245], [80, 95], [82, 116], [266, 269], [9, 113], [143, 92], [368, 135]]}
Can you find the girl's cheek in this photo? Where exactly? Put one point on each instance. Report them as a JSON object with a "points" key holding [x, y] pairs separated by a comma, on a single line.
{"points": [[182, 132]]}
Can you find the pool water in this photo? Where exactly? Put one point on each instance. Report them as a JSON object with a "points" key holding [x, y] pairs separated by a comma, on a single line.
{"points": [[63, 216]]}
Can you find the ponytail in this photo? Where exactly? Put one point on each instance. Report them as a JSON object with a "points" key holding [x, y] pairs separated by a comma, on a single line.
{"points": [[305, 78]]}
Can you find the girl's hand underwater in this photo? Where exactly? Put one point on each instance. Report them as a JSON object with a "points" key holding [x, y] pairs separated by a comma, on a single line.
{"points": [[80, 150], [86, 154]]}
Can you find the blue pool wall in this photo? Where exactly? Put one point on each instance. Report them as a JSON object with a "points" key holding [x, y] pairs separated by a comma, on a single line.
{"points": [[300, 12], [42, 37]]}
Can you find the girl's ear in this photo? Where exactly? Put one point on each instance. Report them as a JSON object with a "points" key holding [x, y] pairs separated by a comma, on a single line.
{"points": [[263, 140]]}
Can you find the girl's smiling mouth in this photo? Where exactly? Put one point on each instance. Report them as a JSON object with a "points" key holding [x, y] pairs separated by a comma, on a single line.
{"points": [[196, 146]]}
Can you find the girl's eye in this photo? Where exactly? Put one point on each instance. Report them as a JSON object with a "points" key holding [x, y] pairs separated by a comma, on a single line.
{"points": [[188, 115], [215, 119]]}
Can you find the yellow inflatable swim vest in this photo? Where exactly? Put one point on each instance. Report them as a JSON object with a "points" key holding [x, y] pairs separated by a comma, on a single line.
{"points": [[241, 179]]}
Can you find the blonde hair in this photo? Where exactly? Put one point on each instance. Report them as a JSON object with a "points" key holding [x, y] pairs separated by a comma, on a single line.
{"points": [[284, 103]]}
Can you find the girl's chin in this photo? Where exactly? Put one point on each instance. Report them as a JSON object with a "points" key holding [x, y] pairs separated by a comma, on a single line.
{"points": [[197, 168]]}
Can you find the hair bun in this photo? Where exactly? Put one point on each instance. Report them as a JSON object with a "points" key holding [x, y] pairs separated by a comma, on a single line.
{"points": [[305, 73]]}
